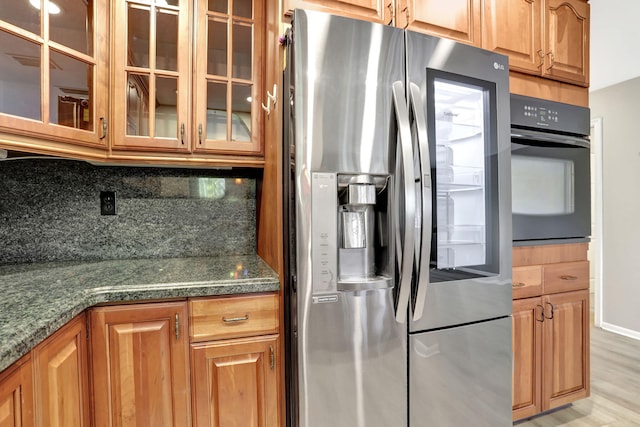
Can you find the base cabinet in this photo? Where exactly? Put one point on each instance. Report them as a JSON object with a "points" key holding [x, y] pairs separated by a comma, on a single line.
{"points": [[140, 365], [16, 395], [550, 330], [235, 383], [61, 377]]}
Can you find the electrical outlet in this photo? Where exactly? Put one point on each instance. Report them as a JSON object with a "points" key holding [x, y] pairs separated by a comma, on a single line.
{"points": [[107, 203]]}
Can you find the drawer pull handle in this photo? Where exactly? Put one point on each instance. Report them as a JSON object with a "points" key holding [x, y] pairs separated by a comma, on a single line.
{"points": [[235, 319], [177, 327], [273, 357], [569, 277], [542, 316], [519, 285]]}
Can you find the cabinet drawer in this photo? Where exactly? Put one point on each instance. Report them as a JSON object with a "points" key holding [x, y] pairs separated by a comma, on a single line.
{"points": [[232, 317], [566, 276], [527, 281]]}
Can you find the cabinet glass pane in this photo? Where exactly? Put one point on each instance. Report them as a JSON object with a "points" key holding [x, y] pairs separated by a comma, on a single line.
{"points": [[22, 14], [242, 42], [70, 89], [137, 104], [216, 111], [217, 48], [167, 40], [221, 6], [138, 37], [19, 77], [241, 115], [166, 107], [74, 27], [243, 8]]}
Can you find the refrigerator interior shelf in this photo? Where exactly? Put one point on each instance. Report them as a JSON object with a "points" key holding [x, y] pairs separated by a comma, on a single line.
{"points": [[454, 132], [365, 283], [444, 189]]}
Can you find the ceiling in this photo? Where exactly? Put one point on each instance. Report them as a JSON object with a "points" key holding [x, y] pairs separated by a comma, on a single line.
{"points": [[615, 35]]}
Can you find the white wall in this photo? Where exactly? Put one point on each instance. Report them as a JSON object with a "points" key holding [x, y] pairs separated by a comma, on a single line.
{"points": [[619, 107]]}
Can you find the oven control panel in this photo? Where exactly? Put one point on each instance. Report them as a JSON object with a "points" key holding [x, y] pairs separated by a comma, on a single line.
{"points": [[548, 115]]}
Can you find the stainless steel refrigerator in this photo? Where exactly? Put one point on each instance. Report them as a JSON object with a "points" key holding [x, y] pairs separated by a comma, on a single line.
{"points": [[399, 227]]}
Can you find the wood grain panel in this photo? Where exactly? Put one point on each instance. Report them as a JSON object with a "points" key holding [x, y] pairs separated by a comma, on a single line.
{"points": [[62, 377], [527, 350], [235, 383], [512, 27], [566, 276], [369, 10], [457, 20], [549, 254], [230, 317], [566, 352], [140, 365], [538, 87], [527, 281], [16, 395]]}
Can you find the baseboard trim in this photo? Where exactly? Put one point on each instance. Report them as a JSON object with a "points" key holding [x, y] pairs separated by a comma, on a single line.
{"points": [[621, 331]]}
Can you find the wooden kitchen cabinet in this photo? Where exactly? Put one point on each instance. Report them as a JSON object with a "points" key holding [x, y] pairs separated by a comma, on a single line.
{"points": [[62, 377], [459, 20], [54, 77], [550, 327], [379, 11], [547, 38], [527, 357], [235, 382], [140, 365], [235, 365], [16, 395], [188, 76]]}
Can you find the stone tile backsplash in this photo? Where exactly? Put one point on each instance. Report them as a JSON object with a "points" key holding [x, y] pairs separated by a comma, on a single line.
{"points": [[50, 211]]}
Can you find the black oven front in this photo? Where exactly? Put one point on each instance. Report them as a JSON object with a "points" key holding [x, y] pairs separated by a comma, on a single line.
{"points": [[550, 157]]}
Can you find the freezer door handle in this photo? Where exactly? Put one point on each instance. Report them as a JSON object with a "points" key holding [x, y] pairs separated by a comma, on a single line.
{"points": [[404, 249], [424, 194]]}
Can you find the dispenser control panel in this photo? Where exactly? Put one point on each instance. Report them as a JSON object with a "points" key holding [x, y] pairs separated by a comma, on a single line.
{"points": [[324, 232]]}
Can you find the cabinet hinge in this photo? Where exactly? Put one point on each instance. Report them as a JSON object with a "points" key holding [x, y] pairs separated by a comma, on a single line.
{"points": [[177, 327], [273, 357]]}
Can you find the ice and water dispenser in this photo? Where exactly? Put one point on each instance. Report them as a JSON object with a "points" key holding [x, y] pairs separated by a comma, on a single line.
{"points": [[351, 227]]}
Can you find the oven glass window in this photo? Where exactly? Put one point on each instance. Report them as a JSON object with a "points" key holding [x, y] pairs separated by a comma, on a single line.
{"points": [[542, 186]]}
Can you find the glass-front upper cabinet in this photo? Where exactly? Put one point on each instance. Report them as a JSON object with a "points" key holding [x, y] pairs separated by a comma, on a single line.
{"points": [[151, 74], [53, 70], [228, 70]]}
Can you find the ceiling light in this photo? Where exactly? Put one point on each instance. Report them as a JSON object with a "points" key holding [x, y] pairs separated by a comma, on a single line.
{"points": [[52, 8]]}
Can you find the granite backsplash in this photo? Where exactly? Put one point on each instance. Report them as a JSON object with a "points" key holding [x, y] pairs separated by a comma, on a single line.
{"points": [[50, 211]]}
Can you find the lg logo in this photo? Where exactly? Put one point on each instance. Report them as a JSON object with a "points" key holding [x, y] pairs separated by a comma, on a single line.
{"points": [[498, 66]]}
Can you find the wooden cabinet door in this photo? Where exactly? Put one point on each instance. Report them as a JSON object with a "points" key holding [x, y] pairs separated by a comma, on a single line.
{"points": [[140, 366], [229, 69], [566, 348], [62, 377], [567, 41], [453, 19], [235, 383], [54, 75], [16, 395], [513, 28], [151, 75], [368, 10], [527, 357]]}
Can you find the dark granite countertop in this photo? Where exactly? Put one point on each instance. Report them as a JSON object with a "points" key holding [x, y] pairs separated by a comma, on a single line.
{"points": [[37, 299]]}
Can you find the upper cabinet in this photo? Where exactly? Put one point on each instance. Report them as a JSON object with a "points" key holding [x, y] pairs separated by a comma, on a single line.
{"points": [[458, 20], [187, 75], [53, 70], [567, 41], [548, 38], [380, 11]]}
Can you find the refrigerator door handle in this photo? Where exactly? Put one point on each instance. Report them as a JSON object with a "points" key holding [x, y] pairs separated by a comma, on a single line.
{"points": [[405, 258], [417, 107]]}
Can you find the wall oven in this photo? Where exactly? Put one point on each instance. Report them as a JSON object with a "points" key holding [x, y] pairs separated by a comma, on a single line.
{"points": [[550, 156]]}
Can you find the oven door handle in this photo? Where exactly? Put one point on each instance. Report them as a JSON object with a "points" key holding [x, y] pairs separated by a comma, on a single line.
{"points": [[532, 135]]}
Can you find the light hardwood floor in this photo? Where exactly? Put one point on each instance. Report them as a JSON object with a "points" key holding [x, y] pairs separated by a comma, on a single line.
{"points": [[615, 387]]}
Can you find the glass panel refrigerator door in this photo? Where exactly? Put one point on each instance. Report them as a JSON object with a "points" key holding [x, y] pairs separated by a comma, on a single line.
{"points": [[464, 157]]}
